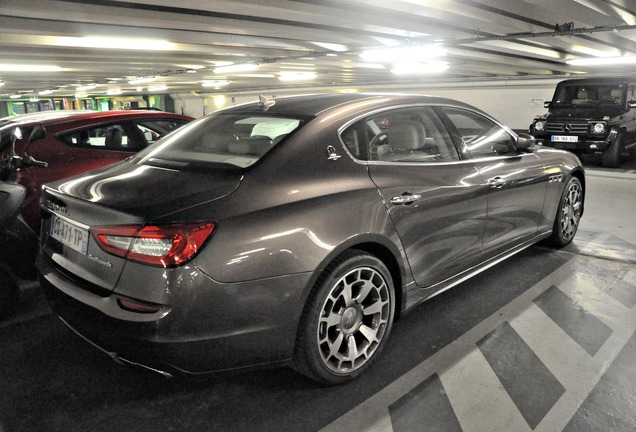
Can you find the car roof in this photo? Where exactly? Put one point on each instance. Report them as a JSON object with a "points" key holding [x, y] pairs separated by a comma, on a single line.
{"points": [[62, 116], [609, 80], [317, 104]]}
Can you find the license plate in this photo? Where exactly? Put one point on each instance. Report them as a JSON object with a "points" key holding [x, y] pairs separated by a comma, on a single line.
{"points": [[562, 138], [69, 234]]}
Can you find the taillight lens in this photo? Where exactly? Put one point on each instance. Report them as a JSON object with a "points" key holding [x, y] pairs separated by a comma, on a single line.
{"points": [[158, 245]]}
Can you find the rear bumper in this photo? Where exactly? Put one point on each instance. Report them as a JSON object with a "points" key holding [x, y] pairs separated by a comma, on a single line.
{"points": [[234, 326]]}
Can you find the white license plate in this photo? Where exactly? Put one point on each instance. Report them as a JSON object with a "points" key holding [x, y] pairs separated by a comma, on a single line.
{"points": [[562, 138], [69, 234]]}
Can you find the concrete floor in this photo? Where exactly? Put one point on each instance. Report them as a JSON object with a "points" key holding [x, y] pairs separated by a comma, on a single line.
{"points": [[544, 341]]}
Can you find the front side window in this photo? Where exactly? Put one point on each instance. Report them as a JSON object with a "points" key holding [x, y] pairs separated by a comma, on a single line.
{"points": [[401, 135], [236, 140], [155, 129], [478, 135]]}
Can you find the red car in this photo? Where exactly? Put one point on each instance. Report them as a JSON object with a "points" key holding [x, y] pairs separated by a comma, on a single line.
{"points": [[79, 141], [74, 142]]}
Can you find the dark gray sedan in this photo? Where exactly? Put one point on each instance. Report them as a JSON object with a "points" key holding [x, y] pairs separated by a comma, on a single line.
{"points": [[295, 230]]}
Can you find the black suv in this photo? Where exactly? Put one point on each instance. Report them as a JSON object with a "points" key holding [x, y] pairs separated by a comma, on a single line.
{"points": [[594, 115]]}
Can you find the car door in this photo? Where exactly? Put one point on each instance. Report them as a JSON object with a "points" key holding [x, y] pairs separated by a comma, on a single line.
{"points": [[435, 200], [516, 181]]}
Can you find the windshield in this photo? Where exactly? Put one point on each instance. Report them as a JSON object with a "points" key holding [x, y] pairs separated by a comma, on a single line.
{"points": [[237, 140], [589, 95]]}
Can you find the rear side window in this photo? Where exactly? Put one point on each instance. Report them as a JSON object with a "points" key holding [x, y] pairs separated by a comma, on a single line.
{"points": [[413, 135]]}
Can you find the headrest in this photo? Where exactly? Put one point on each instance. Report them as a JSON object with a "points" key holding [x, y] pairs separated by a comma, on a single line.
{"points": [[407, 135], [113, 137], [255, 146], [582, 94]]}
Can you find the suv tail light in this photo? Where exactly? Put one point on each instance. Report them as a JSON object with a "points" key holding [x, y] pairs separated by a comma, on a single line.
{"points": [[158, 245]]}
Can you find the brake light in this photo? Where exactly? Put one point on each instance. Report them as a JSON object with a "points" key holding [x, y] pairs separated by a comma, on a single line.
{"points": [[158, 245]]}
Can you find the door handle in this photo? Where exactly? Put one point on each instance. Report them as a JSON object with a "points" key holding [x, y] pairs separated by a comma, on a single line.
{"points": [[497, 182], [405, 198]]}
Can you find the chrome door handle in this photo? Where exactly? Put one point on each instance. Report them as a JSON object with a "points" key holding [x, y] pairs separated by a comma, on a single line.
{"points": [[497, 182], [405, 198]]}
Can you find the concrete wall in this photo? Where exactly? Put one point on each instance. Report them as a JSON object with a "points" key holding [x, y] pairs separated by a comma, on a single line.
{"points": [[513, 102]]}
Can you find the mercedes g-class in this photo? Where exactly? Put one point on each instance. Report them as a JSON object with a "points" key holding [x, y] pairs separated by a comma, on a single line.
{"points": [[590, 116]]}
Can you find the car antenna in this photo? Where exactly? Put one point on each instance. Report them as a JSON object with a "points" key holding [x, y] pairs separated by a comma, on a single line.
{"points": [[265, 102]]}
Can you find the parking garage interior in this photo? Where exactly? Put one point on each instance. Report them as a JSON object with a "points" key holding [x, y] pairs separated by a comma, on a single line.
{"points": [[543, 341]]}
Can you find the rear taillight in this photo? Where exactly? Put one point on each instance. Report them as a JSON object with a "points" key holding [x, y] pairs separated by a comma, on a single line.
{"points": [[158, 245]]}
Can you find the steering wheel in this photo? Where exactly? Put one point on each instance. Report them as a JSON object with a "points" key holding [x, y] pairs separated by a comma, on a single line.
{"points": [[375, 142]]}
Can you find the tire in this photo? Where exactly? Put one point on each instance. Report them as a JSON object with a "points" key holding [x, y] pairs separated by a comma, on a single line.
{"points": [[568, 214], [347, 319], [612, 156]]}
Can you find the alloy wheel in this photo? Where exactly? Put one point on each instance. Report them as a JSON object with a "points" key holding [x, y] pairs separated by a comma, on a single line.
{"points": [[353, 320], [571, 211]]}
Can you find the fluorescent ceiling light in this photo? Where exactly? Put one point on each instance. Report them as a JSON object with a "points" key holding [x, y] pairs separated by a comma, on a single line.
{"points": [[214, 83], [45, 92], [239, 67], [80, 95], [15, 96], [116, 43], [86, 87], [414, 68], [603, 61], [331, 46], [114, 92], [142, 80], [29, 68], [158, 88], [297, 76], [2, 83], [403, 53]]}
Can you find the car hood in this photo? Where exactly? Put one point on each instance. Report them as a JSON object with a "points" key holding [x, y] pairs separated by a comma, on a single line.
{"points": [[148, 191], [585, 112]]}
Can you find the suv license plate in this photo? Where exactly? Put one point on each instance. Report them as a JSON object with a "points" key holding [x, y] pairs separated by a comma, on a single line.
{"points": [[563, 138], [69, 234]]}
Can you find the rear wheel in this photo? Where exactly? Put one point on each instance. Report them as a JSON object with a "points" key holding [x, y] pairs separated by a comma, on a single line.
{"points": [[612, 156], [568, 214], [347, 319]]}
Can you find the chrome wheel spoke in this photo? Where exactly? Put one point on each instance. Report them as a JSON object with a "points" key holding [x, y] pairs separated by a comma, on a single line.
{"points": [[370, 334], [353, 320], [374, 308]]}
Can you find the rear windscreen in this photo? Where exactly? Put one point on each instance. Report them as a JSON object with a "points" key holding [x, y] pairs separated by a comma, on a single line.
{"points": [[234, 139]]}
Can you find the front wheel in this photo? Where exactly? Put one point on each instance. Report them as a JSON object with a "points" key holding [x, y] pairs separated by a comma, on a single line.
{"points": [[568, 214], [612, 156], [347, 319]]}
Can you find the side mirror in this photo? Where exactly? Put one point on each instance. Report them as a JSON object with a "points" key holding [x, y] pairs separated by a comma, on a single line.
{"points": [[632, 103], [15, 135], [547, 104], [526, 143]]}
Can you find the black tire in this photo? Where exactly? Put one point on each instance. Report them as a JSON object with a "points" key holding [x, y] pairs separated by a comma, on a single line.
{"points": [[612, 156], [568, 215], [347, 319]]}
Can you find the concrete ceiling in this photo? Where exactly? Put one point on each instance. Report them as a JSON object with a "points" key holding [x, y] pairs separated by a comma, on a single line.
{"points": [[483, 40]]}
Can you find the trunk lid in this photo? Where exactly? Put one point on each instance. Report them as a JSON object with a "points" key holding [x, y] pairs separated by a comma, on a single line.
{"points": [[127, 193]]}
